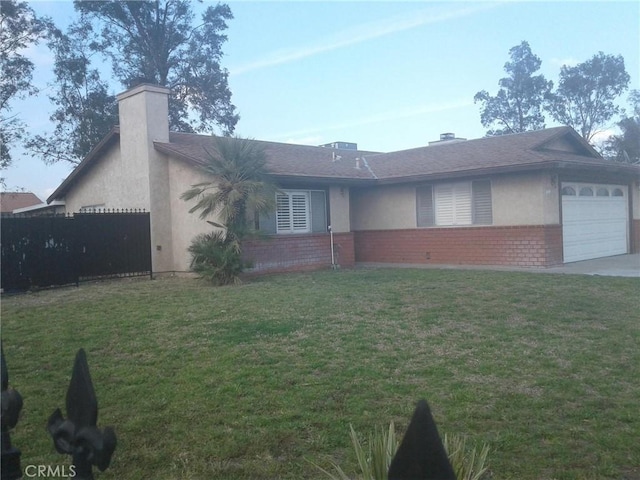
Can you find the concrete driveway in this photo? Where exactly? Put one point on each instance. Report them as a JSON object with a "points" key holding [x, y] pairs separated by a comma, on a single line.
{"points": [[618, 266]]}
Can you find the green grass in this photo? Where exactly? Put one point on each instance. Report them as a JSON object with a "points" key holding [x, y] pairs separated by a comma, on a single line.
{"points": [[263, 380]]}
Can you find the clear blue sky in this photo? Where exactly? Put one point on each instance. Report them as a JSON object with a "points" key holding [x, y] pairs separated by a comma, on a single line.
{"points": [[386, 75]]}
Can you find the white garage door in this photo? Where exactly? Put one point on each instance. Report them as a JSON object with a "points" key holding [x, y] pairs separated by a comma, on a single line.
{"points": [[595, 221]]}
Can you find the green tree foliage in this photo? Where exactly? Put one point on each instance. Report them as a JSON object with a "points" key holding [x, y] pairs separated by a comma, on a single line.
{"points": [[157, 42], [586, 94], [19, 29], [625, 147], [85, 110], [517, 107], [239, 191]]}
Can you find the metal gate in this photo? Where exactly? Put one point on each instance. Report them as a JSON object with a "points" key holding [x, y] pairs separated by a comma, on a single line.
{"points": [[45, 251]]}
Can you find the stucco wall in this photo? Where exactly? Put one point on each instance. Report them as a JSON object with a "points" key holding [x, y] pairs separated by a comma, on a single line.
{"points": [[634, 190], [185, 225], [103, 185], [339, 208], [525, 199], [383, 208], [635, 199]]}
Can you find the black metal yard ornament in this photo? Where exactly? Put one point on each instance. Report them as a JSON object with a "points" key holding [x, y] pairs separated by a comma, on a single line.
{"points": [[421, 455], [11, 406], [78, 435]]}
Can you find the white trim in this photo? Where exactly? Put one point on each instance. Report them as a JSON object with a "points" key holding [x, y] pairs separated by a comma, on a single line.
{"points": [[40, 206]]}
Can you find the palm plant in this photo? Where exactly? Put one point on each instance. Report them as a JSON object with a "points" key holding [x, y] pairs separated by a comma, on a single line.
{"points": [[239, 189], [216, 257], [240, 185]]}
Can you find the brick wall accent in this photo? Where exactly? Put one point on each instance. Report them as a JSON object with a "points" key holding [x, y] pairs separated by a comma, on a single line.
{"points": [[530, 246], [635, 236], [290, 253]]}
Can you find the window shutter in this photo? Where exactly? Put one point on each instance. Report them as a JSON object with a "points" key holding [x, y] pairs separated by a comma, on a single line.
{"points": [[444, 204], [453, 203], [424, 206], [482, 209], [318, 211], [300, 211], [283, 213], [462, 203]]}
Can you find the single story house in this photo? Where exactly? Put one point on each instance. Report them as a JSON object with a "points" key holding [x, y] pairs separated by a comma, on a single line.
{"points": [[538, 198], [12, 201]]}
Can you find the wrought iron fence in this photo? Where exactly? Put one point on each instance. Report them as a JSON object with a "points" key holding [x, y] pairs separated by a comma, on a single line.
{"points": [[77, 435], [44, 251]]}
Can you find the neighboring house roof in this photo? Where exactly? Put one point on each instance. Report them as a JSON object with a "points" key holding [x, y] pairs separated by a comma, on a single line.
{"points": [[56, 206], [10, 201], [559, 147]]}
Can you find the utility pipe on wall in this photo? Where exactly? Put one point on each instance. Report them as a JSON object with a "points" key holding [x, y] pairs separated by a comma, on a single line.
{"points": [[333, 260]]}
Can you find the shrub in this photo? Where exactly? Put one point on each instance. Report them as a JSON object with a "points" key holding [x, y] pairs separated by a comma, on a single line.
{"points": [[467, 463], [217, 257], [374, 459]]}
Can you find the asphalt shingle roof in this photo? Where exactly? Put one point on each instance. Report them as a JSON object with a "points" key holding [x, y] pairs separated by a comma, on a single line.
{"points": [[534, 149], [283, 159], [10, 201], [529, 149], [549, 148]]}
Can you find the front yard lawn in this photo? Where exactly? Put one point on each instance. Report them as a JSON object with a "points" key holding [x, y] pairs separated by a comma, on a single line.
{"points": [[259, 380]]}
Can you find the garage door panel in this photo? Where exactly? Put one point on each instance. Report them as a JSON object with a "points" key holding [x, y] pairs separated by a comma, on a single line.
{"points": [[594, 227]]}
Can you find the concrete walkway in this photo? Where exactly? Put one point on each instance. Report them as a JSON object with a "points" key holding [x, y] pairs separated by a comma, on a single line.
{"points": [[618, 266]]}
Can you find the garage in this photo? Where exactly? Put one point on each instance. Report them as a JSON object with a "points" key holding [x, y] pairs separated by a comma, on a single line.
{"points": [[595, 221]]}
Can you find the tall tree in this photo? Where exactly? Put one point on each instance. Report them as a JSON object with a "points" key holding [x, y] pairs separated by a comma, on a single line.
{"points": [[156, 41], [517, 107], [86, 110], [19, 29], [586, 94], [625, 147]]}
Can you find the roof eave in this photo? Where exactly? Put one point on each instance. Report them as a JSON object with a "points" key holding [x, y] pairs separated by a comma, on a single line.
{"points": [[531, 167], [318, 180]]}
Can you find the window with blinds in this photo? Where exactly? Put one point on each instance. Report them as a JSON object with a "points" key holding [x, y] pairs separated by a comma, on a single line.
{"points": [[482, 209], [292, 212], [424, 206], [297, 211], [454, 204]]}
